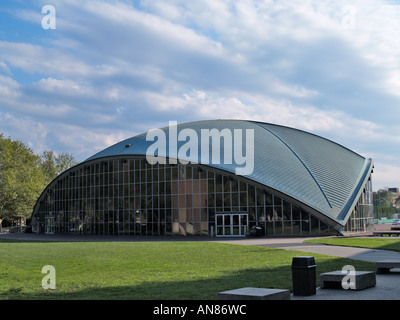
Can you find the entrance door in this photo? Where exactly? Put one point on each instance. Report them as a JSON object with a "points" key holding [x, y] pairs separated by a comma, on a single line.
{"points": [[231, 224], [49, 225]]}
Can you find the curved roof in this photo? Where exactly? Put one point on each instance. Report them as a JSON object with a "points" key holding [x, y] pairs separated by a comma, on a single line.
{"points": [[308, 168]]}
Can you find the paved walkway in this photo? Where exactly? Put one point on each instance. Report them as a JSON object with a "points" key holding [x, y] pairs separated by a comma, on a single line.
{"points": [[371, 255], [387, 285]]}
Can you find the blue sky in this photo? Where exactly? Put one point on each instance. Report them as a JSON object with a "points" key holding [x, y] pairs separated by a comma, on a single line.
{"points": [[113, 69]]}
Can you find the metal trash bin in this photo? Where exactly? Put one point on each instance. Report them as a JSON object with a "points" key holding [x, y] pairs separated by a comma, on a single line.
{"points": [[256, 231], [304, 276]]}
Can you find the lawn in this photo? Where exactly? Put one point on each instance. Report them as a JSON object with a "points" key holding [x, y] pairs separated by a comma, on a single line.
{"points": [[373, 243], [147, 270]]}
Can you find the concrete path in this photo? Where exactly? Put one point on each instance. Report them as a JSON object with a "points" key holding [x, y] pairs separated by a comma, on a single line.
{"points": [[371, 255], [387, 288], [387, 285]]}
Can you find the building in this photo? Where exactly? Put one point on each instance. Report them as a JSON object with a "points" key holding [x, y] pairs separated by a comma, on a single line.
{"points": [[295, 184], [395, 197]]}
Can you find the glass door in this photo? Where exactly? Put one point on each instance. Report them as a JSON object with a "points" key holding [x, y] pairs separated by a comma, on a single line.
{"points": [[231, 224], [49, 225]]}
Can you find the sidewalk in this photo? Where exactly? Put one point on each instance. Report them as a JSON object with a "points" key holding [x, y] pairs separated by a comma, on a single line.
{"points": [[364, 254], [387, 285], [387, 288]]}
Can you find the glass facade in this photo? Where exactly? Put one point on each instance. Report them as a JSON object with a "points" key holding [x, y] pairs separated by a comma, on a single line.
{"points": [[128, 196], [362, 217]]}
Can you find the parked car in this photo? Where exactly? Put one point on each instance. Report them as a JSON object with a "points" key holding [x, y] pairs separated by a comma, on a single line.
{"points": [[396, 222]]}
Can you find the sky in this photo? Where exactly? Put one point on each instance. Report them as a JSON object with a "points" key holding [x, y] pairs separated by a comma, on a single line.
{"points": [[108, 70]]}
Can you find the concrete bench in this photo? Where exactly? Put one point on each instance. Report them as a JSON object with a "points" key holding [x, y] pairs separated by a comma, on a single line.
{"points": [[333, 280], [250, 293], [384, 266]]}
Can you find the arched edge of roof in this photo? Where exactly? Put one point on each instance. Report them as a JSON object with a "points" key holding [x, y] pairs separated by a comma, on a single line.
{"points": [[66, 172], [351, 203]]}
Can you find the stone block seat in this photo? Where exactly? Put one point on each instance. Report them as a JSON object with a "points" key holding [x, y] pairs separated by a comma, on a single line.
{"points": [[333, 280], [250, 293], [384, 266]]}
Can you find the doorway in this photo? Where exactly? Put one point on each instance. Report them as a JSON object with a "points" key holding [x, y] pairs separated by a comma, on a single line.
{"points": [[231, 224], [49, 225]]}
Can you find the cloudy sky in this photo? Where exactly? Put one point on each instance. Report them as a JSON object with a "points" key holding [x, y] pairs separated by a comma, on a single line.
{"points": [[113, 69]]}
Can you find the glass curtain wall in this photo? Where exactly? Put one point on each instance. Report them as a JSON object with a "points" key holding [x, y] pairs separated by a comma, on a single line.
{"points": [[361, 219], [131, 197]]}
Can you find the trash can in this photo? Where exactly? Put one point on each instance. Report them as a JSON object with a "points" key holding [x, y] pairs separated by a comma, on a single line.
{"points": [[256, 231], [304, 276]]}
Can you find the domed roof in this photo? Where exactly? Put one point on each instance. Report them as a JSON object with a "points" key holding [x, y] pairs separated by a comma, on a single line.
{"points": [[314, 171]]}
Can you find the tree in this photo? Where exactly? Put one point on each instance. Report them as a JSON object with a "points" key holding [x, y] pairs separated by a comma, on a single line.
{"points": [[23, 177], [64, 161], [383, 198], [48, 165], [397, 201], [53, 165], [21, 180]]}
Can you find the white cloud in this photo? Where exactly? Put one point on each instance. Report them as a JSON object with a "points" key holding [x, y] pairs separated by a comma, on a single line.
{"points": [[9, 88], [44, 135], [164, 102], [170, 34], [240, 105], [34, 58], [114, 67], [25, 129], [5, 68], [64, 87], [385, 175], [90, 141]]}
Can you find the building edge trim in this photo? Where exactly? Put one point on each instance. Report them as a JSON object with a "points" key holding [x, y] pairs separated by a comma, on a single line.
{"points": [[351, 203]]}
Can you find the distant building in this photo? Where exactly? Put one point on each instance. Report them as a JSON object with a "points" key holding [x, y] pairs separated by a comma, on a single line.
{"points": [[395, 196]]}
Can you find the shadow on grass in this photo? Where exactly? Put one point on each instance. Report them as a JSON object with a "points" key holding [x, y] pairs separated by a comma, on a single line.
{"points": [[196, 289], [395, 246]]}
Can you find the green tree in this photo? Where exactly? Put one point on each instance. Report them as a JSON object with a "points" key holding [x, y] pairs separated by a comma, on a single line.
{"points": [[53, 165], [383, 198], [48, 165], [64, 161], [397, 201], [24, 175], [21, 180]]}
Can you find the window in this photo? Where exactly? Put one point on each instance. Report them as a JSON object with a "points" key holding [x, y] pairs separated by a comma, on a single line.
{"points": [[130, 197]]}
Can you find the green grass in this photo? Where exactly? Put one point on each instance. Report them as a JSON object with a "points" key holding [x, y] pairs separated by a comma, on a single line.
{"points": [[147, 270], [373, 243]]}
